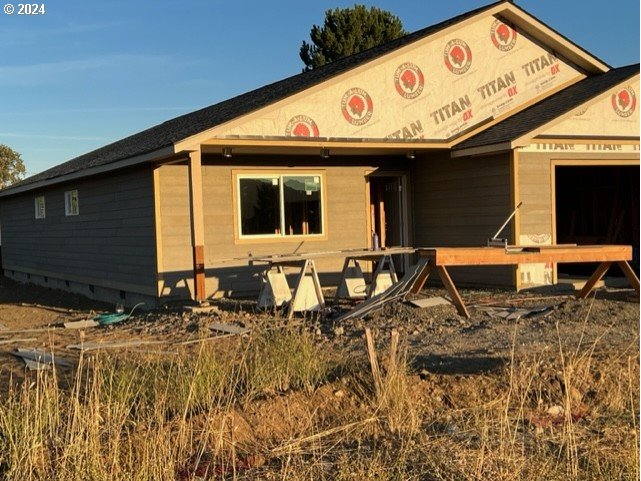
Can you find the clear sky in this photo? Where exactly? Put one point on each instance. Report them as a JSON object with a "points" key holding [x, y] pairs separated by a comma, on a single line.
{"points": [[87, 73]]}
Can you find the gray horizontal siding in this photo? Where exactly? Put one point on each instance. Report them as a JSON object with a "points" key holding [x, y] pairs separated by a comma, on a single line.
{"points": [[112, 241], [460, 203]]}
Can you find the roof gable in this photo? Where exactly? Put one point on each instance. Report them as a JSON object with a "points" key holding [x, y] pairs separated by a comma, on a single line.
{"points": [[177, 133], [545, 116], [615, 114], [443, 85]]}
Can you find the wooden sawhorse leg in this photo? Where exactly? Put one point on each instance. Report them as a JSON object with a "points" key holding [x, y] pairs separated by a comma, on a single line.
{"points": [[600, 272], [629, 273], [596, 277], [457, 300]]}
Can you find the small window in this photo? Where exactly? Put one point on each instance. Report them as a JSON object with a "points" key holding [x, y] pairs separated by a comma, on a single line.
{"points": [[71, 203], [40, 207], [280, 205]]}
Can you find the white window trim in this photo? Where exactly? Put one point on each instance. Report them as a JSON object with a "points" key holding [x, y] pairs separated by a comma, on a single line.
{"points": [[37, 207], [68, 211], [282, 235]]}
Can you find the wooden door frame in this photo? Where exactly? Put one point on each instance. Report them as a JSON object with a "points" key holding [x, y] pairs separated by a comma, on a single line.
{"points": [[406, 232]]}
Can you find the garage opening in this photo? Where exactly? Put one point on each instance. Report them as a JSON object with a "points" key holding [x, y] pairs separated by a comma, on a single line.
{"points": [[597, 205]]}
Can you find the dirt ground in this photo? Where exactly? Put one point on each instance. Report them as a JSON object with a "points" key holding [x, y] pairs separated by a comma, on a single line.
{"points": [[454, 396], [439, 340]]}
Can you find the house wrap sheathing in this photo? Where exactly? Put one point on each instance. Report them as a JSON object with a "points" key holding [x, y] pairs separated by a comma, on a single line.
{"points": [[429, 140]]}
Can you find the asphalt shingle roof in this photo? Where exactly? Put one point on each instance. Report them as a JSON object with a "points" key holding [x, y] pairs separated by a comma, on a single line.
{"points": [[184, 126], [550, 108], [167, 133]]}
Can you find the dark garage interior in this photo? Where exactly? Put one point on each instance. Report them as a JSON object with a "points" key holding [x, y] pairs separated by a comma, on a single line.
{"points": [[597, 205]]}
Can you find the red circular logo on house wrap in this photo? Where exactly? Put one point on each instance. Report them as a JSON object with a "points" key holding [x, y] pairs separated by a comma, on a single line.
{"points": [[457, 56], [503, 36], [624, 102], [409, 80], [301, 126], [357, 106]]}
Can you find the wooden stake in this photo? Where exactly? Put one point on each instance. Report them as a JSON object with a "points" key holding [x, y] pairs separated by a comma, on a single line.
{"points": [[392, 366], [373, 361]]}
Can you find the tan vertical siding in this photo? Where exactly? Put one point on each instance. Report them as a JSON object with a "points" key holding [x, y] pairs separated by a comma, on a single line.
{"points": [[535, 184], [345, 216]]}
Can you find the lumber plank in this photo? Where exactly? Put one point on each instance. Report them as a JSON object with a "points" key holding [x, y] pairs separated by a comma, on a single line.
{"points": [[81, 324], [471, 256], [92, 346], [12, 341], [359, 254]]}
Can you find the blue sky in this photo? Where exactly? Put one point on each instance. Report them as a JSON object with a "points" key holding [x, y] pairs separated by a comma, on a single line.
{"points": [[88, 73]]}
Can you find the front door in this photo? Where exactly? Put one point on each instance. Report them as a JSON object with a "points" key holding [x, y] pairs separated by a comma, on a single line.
{"points": [[387, 211]]}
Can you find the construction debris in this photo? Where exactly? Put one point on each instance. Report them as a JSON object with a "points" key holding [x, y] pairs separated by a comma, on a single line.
{"points": [[116, 317], [11, 341], [514, 313], [202, 339], [431, 302], [23, 331], [37, 360], [85, 324], [399, 290], [92, 346], [229, 328], [202, 309]]}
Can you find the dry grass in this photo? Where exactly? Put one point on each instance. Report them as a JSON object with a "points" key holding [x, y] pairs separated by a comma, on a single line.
{"points": [[556, 415]]}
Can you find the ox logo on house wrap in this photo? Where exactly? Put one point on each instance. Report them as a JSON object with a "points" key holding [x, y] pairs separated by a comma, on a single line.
{"points": [[409, 80], [503, 36], [624, 102], [457, 56], [301, 126], [357, 106]]}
